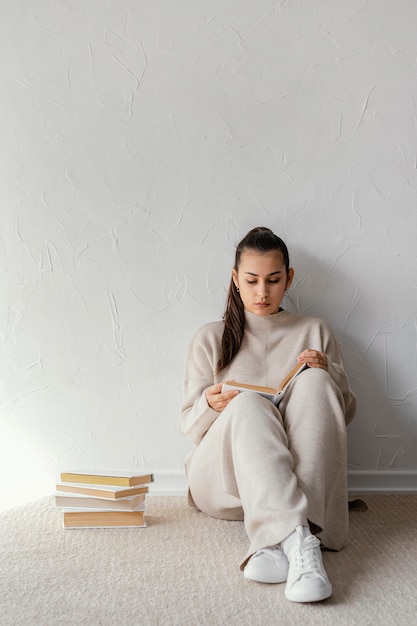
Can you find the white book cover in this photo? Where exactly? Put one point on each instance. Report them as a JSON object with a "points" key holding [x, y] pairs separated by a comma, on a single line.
{"points": [[130, 503], [78, 509]]}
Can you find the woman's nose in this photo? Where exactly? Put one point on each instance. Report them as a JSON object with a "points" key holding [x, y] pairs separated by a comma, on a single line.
{"points": [[262, 291]]}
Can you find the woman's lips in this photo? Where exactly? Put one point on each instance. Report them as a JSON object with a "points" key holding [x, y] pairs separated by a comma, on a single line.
{"points": [[262, 304]]}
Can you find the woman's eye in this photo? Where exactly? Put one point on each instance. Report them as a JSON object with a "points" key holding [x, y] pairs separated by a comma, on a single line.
{"points": [[271, 282]]}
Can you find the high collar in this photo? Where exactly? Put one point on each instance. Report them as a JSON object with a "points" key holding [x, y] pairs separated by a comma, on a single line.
{"points": [[263, 323]]}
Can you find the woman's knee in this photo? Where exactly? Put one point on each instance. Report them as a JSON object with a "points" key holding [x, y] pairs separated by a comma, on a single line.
{"points": [[313, 374], [312, 393], [246, 405], [314, 383]]}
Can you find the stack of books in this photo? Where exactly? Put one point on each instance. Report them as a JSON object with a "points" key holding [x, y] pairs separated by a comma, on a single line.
{"points": [[102, 499]]}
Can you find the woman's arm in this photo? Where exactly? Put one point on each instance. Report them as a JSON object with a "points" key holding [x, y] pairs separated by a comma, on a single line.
{"points": [[203, 400]]}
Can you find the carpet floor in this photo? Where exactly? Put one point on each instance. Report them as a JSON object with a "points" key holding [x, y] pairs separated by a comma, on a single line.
{"points": [[183, 570]]}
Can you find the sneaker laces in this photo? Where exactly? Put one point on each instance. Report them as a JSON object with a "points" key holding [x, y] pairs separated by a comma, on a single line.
{"points": [[306, 558]]}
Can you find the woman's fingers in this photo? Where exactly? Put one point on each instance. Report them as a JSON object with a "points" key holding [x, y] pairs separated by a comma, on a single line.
{"points": [[218, 400], [314, 358]]}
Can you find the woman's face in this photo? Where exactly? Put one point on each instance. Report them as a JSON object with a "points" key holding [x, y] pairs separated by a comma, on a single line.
{"points": [[262, 280]]}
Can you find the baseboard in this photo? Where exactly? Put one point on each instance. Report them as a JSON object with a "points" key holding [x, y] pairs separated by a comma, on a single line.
{"points": [[173, 483], [382, 482], [168, 483]]}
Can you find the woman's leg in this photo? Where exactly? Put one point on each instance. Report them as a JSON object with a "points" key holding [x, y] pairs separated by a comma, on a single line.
{"points": [[314, 421], [243, 464]]}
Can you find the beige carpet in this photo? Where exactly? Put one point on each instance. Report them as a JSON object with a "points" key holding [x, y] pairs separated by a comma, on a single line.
{"points": [[182, 569]]}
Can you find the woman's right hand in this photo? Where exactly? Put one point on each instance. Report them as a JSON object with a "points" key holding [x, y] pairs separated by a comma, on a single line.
{"points": [[218, 400]]}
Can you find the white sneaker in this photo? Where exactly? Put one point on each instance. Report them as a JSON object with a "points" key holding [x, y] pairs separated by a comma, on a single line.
{"points": [[307, 579], [269, 565]]}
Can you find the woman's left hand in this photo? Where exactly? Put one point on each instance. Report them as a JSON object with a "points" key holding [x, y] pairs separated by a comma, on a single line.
{"points": [[313, 358]]}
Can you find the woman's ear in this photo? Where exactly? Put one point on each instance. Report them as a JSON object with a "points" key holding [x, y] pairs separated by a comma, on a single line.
{"points": [[290, 277], [234, 278]]}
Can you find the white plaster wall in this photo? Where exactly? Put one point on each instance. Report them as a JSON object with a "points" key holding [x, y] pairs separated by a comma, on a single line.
{"points": [[140, 140]]}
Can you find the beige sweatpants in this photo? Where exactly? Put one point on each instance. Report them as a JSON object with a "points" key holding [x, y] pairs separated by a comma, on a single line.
{"points": [[276, 469]]}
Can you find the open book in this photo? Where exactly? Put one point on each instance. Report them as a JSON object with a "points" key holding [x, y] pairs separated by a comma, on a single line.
{"points": [[275, 395]]}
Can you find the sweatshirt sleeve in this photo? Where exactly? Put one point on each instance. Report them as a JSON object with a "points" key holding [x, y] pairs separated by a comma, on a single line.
{"points": [[337, 371], [196, 414]]}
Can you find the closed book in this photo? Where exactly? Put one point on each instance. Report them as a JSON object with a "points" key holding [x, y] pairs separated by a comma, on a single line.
{"points": [[129, 503], [105, 477], [112, 493], [104, 519]]}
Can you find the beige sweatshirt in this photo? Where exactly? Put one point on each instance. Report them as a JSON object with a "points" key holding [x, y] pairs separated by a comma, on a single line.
{"points": [[268, 352]]}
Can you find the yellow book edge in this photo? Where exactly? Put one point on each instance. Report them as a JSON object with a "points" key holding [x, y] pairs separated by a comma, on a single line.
{"points": [[126, 480], [270, 390], [104, 519]]}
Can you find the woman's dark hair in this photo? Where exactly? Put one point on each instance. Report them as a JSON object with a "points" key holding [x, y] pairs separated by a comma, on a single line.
{"points": [[262, 240]]}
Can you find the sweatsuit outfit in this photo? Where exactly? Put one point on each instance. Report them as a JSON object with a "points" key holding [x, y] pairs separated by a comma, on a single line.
{"points": [[275, 468]]}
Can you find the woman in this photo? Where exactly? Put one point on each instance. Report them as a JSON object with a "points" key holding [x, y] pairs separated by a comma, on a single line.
{"points": [[282, 470]]}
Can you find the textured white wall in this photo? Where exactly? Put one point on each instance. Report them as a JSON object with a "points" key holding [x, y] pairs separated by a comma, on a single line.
{"points": [[139, 141]]}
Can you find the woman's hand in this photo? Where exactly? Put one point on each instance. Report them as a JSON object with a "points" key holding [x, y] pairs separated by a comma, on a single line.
{"points": [[313, 358], [218, 400]]}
